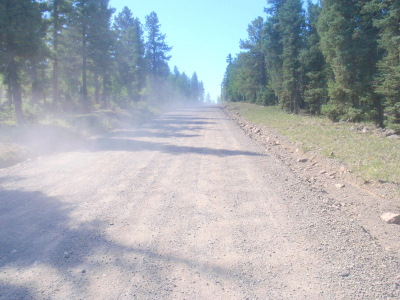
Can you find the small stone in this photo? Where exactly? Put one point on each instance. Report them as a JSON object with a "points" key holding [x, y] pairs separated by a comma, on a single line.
{"points": [[83, 271], [345, 274], [389, 132], [394, 136], [339, 185], [391, 218], [302, 160], [66, 255], [323, 172]]}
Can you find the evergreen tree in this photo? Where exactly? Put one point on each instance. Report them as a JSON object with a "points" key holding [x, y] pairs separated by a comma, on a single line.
{"points": [[336, 28], [21, 32], [387, 21], [36, 69], [313, 64], [156, 57], [291, 23], [256, 59], [273, 46], [367, 56], [80, 21], [130, 53], [195, 87], [59, 11], [201, 91], [101, 44], [156, 47]]}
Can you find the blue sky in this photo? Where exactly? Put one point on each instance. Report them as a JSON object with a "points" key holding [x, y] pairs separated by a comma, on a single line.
{"points": [[202, 33]]}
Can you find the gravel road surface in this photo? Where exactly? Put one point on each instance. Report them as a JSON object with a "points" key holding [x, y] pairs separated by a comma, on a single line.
{"points": [[185, 207]]}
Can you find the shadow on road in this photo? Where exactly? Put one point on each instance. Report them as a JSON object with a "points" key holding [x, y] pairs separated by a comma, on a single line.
{"points": [[39, 240], [166, 131], [130, 145]]}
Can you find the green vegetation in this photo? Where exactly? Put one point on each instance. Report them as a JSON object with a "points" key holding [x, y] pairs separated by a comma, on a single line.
{"points": [[338, 58], [370, 156], [70, 57]]}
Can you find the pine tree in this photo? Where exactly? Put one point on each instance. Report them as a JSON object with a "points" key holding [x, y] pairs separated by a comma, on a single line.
{"points": [[80, 21], [291, 22], [21, 32], [273, 46], [130, 53], [201, 91], [336, 28], [367, 56], [59, 10], [156, 47], [101, 44], [195, 87], [256, 59], [313, 64], [387, 20]]}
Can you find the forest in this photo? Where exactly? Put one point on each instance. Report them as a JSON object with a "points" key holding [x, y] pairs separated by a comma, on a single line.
{"points": [[76, 56], [337, 58]]}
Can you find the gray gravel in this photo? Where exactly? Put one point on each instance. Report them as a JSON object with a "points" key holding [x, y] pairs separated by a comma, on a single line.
{"points": [[186, 207]]}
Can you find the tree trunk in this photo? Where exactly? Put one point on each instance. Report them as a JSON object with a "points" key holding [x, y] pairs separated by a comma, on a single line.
{"points": [[96, 87], [105, 91], [42, 88], [15, 91], [35, 85], [84, 71], [9, 93], [55, 59], [379, 111]]}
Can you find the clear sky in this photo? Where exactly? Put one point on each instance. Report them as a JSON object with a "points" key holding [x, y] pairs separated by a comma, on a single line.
{"points": [[202, 33]]}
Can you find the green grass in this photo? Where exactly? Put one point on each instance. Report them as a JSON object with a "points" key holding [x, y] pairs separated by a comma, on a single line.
{"points": [[370, 156]]}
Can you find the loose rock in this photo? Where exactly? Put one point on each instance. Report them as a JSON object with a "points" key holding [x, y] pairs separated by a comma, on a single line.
{"points": [[391, 218]]}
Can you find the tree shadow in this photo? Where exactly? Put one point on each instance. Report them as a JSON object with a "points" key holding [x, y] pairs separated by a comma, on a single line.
{"points": [[36, 230], [131, 145], [12, 291]]}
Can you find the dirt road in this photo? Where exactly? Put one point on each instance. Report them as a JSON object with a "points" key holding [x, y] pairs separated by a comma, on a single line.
{"points": [[186, 207]]}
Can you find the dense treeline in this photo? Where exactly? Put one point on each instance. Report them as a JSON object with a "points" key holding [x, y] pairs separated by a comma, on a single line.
{"points": [[71, 55], [340, 58]]}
